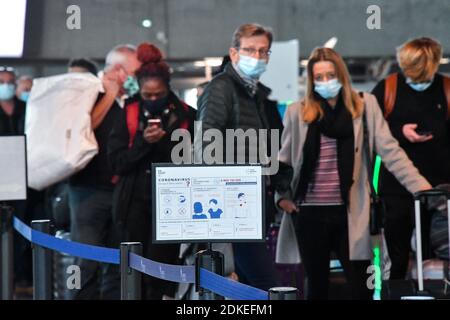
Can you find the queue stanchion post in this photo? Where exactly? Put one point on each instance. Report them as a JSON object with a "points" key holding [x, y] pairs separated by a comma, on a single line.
{"points": [[212, 261], [6, 253], [130, 279], [42, 264]]}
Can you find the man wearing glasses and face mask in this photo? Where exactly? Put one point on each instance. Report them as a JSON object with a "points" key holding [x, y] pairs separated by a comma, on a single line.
{"points": [[235, 99], [12, 110]]}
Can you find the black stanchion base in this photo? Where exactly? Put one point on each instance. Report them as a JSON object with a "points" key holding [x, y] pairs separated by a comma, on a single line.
{"points": [[283, 293]]}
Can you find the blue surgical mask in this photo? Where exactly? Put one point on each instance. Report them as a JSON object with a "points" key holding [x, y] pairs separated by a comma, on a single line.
{"points": [[131, 86], [251, 67], [422, 86], [327, 89], [24, 95], [7, 91]]}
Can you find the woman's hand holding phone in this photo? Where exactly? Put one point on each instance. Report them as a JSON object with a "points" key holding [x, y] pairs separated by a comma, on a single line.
{"points": [[153, 132]]}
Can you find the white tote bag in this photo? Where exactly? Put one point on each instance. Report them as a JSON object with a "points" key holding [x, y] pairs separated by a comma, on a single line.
{"points": [[60, 140], [287, 251]]}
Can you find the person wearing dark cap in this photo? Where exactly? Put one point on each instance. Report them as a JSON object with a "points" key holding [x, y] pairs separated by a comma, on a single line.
{"points": [[134, 144]]}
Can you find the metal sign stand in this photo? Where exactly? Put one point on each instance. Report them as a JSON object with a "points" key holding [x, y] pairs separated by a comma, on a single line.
{"points": [[212, 261]]}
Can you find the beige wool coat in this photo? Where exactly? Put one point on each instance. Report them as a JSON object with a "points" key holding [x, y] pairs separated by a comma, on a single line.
{"points": [[380, 141]]}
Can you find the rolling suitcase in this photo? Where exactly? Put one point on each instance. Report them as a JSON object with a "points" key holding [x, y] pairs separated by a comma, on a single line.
{"points": [[418, 197]]}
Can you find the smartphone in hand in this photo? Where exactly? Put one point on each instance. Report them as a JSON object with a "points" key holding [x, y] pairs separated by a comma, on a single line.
{"points": [[424, 132], [152, 122]]}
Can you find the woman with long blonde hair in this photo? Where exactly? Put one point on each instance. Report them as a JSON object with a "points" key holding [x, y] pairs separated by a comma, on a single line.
{"points": [[339, 77], [327, 198]]}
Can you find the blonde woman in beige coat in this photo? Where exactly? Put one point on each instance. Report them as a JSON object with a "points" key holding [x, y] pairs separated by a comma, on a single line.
{"points": [[323, 185]]}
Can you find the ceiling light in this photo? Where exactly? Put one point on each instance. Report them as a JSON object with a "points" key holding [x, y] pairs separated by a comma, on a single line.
{"points": [[147, 23]]}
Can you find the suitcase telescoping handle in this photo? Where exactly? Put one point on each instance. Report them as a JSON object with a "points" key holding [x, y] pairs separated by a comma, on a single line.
{"points": [[431, 193], [417, 197]]}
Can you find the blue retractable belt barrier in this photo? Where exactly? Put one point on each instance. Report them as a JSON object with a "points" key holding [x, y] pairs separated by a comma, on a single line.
{"points": [[229, 288], [22, 228], [76, 249], [175, 273], [184, 274]]}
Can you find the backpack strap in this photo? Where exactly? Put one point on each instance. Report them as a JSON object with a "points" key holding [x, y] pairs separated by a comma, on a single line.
{"points": [[446, 81], [132, 111], [132, 114], [390, 93], [185, 123]]}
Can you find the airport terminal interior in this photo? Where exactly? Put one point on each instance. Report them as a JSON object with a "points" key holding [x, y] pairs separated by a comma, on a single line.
{"points": [[224, 150]]}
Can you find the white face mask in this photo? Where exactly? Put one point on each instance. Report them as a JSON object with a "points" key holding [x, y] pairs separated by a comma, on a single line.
{"points": [[327, 89]]}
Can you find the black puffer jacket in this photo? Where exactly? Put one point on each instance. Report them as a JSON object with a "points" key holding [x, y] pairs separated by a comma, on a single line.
{"points": [[227, 103]]}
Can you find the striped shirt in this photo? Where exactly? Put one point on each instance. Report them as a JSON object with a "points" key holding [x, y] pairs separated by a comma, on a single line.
{"points": [[324, 189]]}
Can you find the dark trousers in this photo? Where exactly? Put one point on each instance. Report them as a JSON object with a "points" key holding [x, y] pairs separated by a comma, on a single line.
{"points": [[321, 230], [22, 249], [31, 209], [398, 228], [254, 265], [91, 223], [137, 227], [253, 262]]}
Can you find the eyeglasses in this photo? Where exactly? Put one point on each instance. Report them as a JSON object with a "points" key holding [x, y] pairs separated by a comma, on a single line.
{"points": [[7, 69], [10, 70], [252, 51]]}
